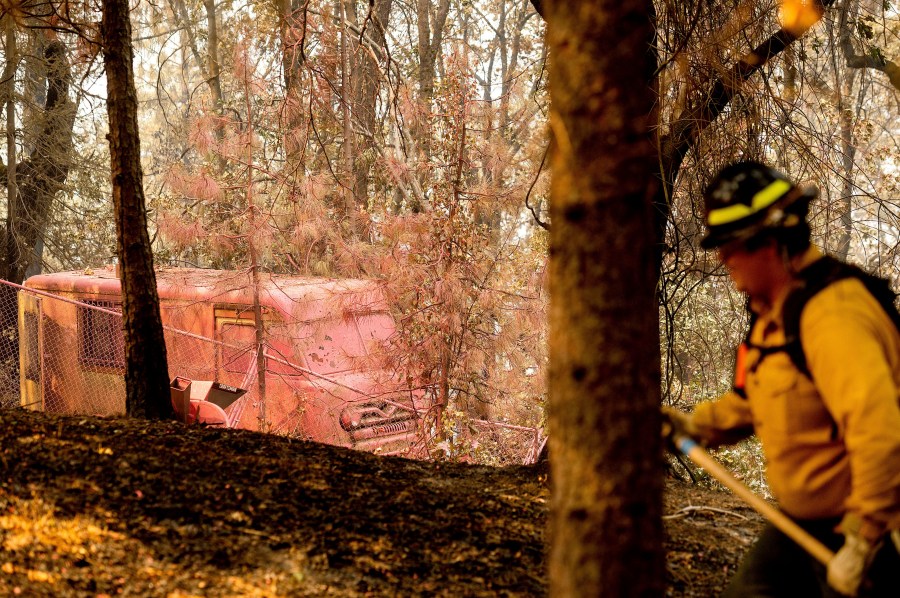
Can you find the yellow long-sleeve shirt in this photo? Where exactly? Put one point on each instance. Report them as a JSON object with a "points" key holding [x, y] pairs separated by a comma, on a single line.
{"points": [[832, 447]]}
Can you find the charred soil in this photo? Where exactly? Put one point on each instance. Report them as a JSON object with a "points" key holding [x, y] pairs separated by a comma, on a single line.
{"points": [[105, 507]]}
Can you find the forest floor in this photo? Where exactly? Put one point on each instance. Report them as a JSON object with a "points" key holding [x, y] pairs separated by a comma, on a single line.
{"points": [[106, 507]]}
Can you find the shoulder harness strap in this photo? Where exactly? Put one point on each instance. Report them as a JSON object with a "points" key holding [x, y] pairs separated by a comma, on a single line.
{"points": [[815, 278]]}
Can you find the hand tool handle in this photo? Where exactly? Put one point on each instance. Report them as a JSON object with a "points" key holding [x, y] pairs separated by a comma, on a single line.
{"points": [[819, 551]]}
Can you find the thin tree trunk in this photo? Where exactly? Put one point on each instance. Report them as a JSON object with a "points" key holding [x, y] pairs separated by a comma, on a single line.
{"points": [[348, 150], [605, 446], [292, 31], [212, 54], [209, 65], [431, 31], [254, 273], [845, 201], [844, 92], [13, 249], [146, 374], [365, 84]]}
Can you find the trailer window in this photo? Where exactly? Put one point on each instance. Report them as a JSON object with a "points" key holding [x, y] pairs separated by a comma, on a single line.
{"points": [[101, 341]]}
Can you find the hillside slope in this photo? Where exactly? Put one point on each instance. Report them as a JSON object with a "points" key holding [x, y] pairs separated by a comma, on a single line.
{"points": [[104, 507]]}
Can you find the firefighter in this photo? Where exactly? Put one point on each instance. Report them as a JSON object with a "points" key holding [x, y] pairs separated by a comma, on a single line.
{"points": [[830, 431]]}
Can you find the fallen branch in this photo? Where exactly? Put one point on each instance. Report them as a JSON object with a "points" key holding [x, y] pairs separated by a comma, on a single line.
{"points": [[690, 509]]}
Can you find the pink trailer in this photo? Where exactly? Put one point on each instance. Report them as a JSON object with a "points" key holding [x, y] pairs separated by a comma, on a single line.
{"points": [[326, 372]]}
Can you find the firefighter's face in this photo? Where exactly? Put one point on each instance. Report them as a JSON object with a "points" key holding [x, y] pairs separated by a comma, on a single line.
{"points": [[753, 271]]}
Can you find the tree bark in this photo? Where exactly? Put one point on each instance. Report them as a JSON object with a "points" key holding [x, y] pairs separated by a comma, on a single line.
{"points": [[431, 32], [366, 87], [430, 23], [146, 374], [212, 55], [9, 101], [42, 174], [209, 64], [346, 9], [605, 453], [292, 16], [847, 119]]}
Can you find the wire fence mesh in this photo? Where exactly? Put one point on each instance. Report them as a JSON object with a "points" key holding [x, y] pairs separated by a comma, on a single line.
{"points": [[65, 354]]}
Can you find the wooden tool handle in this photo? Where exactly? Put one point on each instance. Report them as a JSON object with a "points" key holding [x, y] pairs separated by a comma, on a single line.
{"points": [[819, 551]]}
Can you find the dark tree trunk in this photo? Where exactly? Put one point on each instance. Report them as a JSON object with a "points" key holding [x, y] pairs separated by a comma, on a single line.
{"points": [[146, 375], [365, 96], [605, 453], [292, 24], [430, 20], [42, 174]]}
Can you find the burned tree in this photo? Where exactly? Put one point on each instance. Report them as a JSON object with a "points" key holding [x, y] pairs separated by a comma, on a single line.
{"points": [[42, 173], [32, 185], [604, 338], [146, 373]]}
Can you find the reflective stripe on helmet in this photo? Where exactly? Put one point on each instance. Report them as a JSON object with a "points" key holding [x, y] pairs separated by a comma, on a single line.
{"points": [[763, 199]]}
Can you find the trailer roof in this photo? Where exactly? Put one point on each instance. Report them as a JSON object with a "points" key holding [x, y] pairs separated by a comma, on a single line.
{"points": [[295, 296]]}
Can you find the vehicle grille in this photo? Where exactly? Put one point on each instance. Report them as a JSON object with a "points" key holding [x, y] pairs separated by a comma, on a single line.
{"points": [[375, 419]]}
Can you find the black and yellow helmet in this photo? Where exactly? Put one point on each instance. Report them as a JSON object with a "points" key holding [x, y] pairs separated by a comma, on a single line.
{"points": [[748, 198]]}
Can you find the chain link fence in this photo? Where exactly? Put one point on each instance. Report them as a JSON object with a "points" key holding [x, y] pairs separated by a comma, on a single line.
{"points": [[67, 356]]}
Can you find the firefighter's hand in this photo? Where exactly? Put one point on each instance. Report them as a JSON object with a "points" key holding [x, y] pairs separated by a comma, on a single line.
{"points": [[676, 423], [847, 568]]}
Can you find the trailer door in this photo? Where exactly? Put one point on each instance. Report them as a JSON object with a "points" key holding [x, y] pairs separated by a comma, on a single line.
{"points": [[31, 340]]}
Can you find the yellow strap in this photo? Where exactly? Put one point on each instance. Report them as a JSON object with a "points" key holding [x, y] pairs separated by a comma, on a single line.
{"points": [[762, 199]]}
